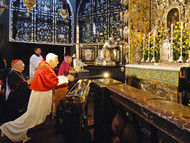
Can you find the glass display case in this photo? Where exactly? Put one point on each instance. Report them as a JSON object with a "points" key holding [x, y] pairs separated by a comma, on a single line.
{"points": [[73, 110]]}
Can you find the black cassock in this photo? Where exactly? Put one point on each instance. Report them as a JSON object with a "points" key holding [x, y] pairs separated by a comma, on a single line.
{"points": [[18, 98]]}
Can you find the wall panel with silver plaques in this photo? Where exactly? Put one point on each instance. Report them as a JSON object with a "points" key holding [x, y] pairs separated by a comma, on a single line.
{"points": [[44, 25], [100, 19]]}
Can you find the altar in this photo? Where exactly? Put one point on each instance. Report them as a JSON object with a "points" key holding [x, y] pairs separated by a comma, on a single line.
{"points": [[161, 79]]}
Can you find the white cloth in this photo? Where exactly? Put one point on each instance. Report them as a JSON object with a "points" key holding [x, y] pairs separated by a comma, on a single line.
{"points": [[34, 62], [38, 108], [62, 79]]}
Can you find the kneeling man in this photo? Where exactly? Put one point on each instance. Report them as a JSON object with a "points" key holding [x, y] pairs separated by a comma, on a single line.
{"points": [[40, 101]]}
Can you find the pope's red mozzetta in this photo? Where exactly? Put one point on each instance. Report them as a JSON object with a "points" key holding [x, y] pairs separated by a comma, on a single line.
{"points": [[45, 78]]}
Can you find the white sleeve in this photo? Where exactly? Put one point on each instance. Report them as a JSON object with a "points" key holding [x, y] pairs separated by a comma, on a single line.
{"points": [[35, 61]]}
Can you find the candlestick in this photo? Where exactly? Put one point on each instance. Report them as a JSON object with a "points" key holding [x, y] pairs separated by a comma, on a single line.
{"points": [[181, 44], [129, 43], [121, 33], [153, 58], [148, 59], [171, 47], [143, 48], [121, 15]]}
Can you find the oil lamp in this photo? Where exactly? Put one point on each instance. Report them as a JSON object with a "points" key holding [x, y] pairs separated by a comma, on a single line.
{"points": [[64, 11], [2, 6], [29, 4]]}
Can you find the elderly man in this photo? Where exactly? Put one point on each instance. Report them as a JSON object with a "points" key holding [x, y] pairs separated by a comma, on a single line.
{"points": [[40, 101], [64, 67], [18, 98]]}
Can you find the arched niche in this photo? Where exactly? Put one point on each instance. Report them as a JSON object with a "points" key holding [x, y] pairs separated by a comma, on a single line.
{"points": [[172, 14], [172, 17]]}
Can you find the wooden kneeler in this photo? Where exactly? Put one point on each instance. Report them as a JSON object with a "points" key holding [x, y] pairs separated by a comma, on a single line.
{"points": [[59, 93]]}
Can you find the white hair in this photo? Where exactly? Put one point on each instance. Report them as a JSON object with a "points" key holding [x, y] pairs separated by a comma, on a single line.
{"points": [[50, 56]]}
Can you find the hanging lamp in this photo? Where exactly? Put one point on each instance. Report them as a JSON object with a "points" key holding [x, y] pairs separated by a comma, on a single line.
{"points": [[2, 6], [29, 4], [64, 11]]}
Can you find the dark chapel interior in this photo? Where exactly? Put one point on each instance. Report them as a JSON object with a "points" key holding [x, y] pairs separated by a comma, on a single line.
{"points": [[130, 62]]}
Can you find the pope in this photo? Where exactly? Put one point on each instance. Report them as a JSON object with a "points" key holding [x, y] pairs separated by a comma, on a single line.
{"points": [[40, 101]]}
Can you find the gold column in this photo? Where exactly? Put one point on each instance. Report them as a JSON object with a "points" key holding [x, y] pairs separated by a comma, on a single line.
{"points": [[139, 23]]}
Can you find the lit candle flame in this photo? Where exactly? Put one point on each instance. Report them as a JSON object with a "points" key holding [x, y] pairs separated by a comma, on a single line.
{"points": [[106, 75]]}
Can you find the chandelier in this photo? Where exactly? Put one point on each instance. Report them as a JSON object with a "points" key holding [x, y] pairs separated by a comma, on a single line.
{"points": [[2, 6], [29, 4], [64, 11]]}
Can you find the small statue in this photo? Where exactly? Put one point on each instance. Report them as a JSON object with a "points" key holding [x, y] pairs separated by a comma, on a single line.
{"points": [[107, 56]]}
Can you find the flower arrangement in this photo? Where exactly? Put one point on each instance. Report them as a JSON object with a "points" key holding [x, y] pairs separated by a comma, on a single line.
{"points": [[159, 35], [162, 35], [177, 41]]}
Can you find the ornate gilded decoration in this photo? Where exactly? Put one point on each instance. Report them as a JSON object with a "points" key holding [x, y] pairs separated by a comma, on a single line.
{"points": [[139, 24], [170, 23]]}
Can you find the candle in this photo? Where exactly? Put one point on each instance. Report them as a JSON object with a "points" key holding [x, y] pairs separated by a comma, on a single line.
{"points": [[180, 60], [143, 48], [121, 33], [129, 40], [143, 43], [154, 42], [181, 33], [172, 34], [148, 59], [153, 58], [121, 15], [171, 47], [171, 40], [148, 43]]}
